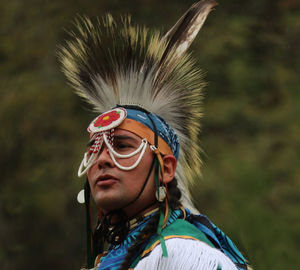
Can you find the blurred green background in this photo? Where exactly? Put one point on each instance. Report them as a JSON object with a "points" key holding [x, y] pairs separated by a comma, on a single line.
{"points": [[250, 53]]}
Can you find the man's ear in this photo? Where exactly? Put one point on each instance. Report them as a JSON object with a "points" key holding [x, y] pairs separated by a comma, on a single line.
{"points": [[170, 164]]}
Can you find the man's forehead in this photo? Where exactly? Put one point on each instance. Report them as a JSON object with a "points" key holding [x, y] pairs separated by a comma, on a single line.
{"points": [[136, 123], [126, 134], [120, 132]]}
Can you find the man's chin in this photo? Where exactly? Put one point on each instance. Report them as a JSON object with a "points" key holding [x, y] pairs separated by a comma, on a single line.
{"points": [[109, 204]]}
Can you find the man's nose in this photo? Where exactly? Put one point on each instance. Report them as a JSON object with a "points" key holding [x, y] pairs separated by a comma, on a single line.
{"points": [[104, 159]]}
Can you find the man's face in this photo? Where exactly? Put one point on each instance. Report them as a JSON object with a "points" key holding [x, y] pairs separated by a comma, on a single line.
{"points": [[113, 188]]}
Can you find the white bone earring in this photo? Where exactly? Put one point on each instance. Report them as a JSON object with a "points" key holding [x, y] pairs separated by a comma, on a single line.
{"points": [[161, 193]]}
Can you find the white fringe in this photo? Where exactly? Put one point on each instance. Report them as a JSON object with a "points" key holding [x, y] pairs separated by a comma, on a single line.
{"points": [[186, 254]]}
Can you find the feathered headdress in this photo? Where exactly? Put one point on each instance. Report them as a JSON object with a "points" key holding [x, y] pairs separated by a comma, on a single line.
{"points": [[112, 62]]}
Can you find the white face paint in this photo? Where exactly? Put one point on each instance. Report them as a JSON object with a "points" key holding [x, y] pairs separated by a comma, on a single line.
{"points": [[107, 137]]}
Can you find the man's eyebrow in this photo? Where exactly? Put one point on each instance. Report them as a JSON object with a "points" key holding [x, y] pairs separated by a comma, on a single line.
{"points": [[125, 137]]}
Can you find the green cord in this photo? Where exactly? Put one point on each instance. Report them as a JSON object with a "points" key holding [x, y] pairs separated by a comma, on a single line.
{"points": [[161, 215]]}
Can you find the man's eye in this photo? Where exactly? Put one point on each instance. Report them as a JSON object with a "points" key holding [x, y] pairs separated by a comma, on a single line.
{"points": [[122, 146]]}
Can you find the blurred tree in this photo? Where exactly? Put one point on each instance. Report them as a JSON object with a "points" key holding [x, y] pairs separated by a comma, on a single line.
{"points": [[251, 132]]}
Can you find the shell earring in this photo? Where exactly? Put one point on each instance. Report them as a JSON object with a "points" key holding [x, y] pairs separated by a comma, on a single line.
{"points": [[160, 194]]}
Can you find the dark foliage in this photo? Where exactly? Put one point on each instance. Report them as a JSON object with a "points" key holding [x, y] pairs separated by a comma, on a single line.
{"points": [[251, 131]]}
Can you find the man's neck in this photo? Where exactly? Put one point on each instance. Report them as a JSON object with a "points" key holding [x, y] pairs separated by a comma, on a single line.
{"points": [[139, 215], [134, 221]]}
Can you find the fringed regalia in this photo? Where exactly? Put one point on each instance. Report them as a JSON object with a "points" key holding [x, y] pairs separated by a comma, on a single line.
{"points": [[209, 245]]}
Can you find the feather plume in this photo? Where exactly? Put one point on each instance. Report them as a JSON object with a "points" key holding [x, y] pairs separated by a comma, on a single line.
{"points": [[187, 27], [111, 62]]}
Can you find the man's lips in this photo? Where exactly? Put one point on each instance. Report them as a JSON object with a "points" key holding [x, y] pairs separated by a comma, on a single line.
{"points": [[105, 180]]}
